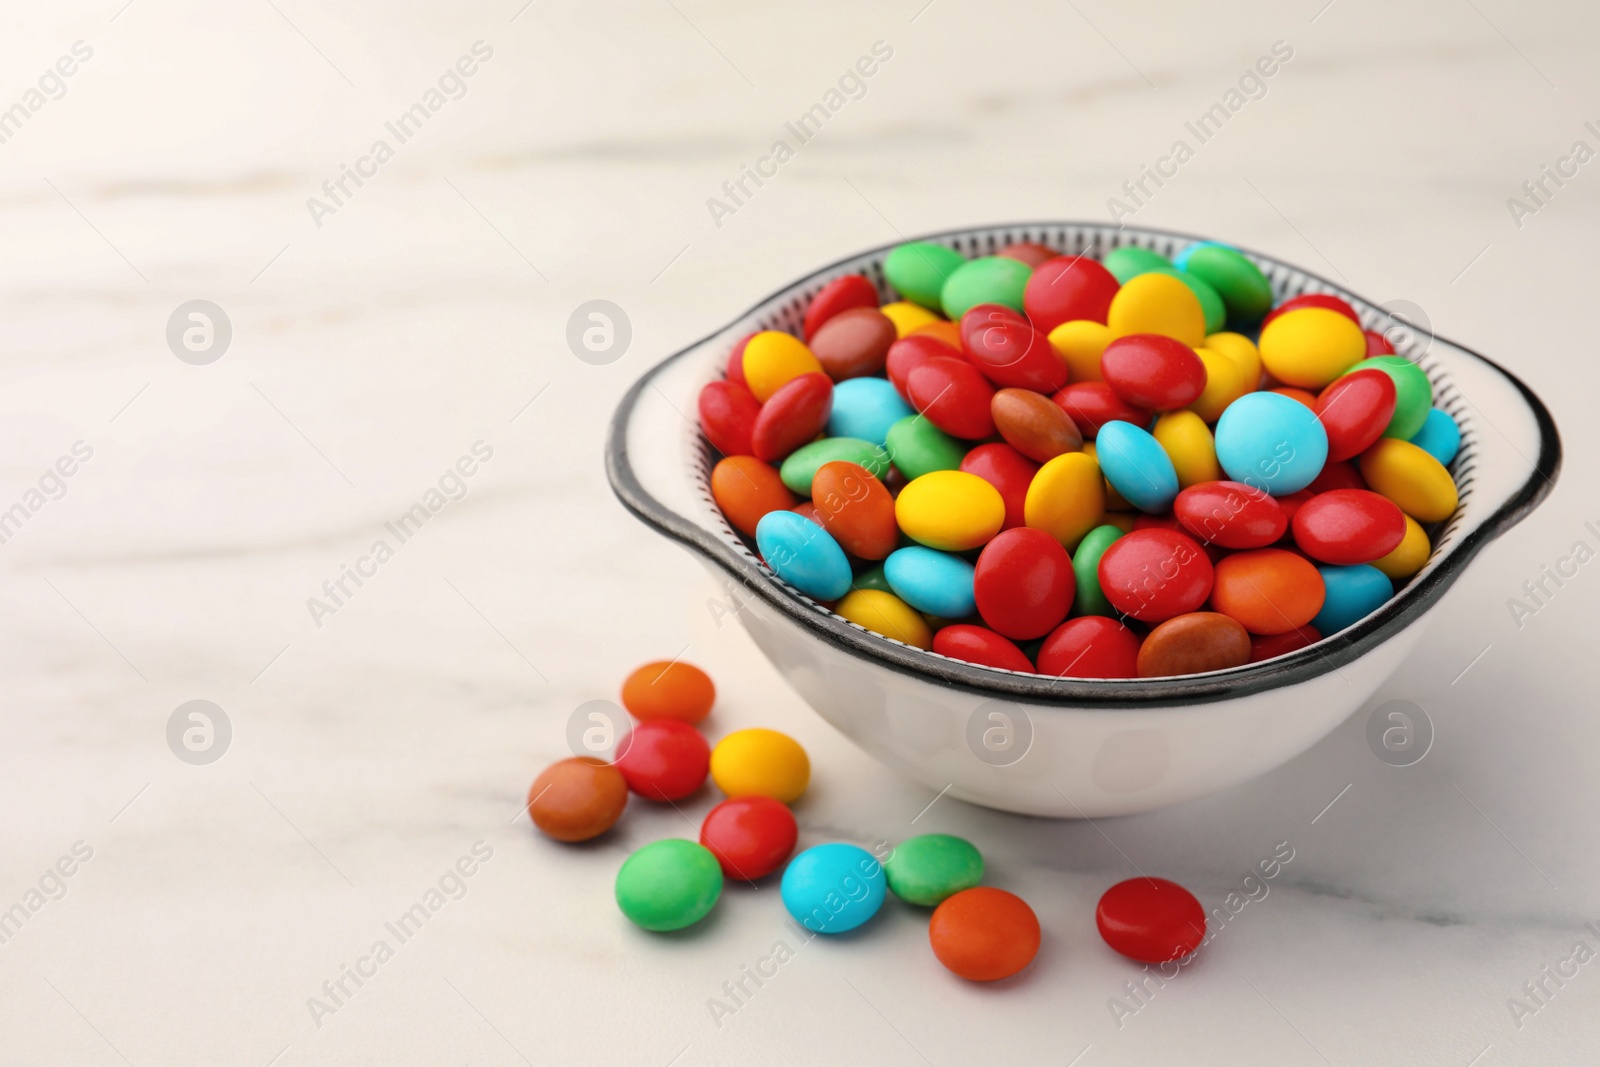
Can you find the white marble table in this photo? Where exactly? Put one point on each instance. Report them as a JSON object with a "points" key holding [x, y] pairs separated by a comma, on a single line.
{"points": [[208, 903]]}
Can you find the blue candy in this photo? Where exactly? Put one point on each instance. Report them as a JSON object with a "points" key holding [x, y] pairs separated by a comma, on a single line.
{"points": [[1439, 437], [833, 888], [1352, 593], [1136, 466], [932, 581], [1271, 442], [865, 408], [803, 554]]}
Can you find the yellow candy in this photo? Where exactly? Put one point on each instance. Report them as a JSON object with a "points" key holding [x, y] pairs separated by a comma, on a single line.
{"points": [[1115, 501], [950, 510], [1066, 498], [1409, 555], [761, 763], [1241, 350], [1158, 303], [1080, 343], [1226, 381], [907, 316], [886, 614], [1187, 441], [773, 359], [1312, 346], [1414, 480]]}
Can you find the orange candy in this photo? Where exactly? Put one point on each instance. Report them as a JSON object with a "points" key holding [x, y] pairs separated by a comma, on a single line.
{"points": [[984, 934], [947, 332], [669, 690], [577, 798], [855, 508], [1268, 590], [746, 489]]}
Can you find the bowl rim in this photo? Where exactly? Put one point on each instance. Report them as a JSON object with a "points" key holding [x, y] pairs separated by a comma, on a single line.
{"points": [[1347, 645]]}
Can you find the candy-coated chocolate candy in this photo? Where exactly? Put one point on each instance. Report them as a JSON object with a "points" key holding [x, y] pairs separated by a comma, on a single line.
{"points": [[1314, 300], [1346, 526], [953, 396], [855, 508], [772, 359], [1240, 349], [1271, 442], [807, 510], [745, 489], [1089, 599], [854, 343], [985, 280], [1343, 475], [1067, 288], [1211, 305], [1271, 646], [735, 368], [1152, 575], [791, 416], [1151, 920], [750, 836], [1093, 404], [941, 330], [833, 888], [1300, 396], [909, 353], [917, 447], [1439, 437], [908, 317], [1243, 288], [880, 611], [871, 578], [918, 270], [865, 408], [1411, 478], [1024, 583], [1291, 502], [1268, 590], [760, 762], [577, 799], [1186, 439], [669, 689], [1030, 252], [928, 869], [1031, 423], [1123, 520], [984, 934], [1153, 372], [803, 554], [938, 583], [1409, 556], [1230, 514], [1226, 381], [669, 884], [1136, 466], [1093, 646], [728, 416], [1194, 643], [1009, 471], [1377, 344], [841, 294], [1009, 351], [663, 759], [1066, 498], [1353, 593], [1413, 394], [1355, 410], [950, 510], [1081, 342], [799, 471], [1157, 303], [1311, 346], [1130, 261], [980, 645]]}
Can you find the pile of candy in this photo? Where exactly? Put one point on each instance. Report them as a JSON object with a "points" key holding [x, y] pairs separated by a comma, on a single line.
{"points": [[1130, 467]]}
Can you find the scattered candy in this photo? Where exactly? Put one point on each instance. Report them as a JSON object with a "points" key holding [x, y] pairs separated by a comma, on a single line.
{"points": [[669, 689], [760, 762], [1151, 920], [984, 934], [577, 799], [928, 869], [663, 759], [833, 888], [669, 884], [750, 836]]}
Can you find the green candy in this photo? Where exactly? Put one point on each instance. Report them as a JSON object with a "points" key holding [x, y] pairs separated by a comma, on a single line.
{"points": [[1413, 393], [1128, 262], [872, 578], [1211, 302], [669, 884], [1240, 283], [919, 447], [1090, 599], [918, 270], [927, 869], [990, 280], [804, 462]]}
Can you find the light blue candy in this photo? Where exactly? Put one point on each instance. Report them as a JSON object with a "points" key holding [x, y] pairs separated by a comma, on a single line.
{"points": [[1136, 466], [1271, 442], [932, 581], [803, 554], [1352, 593], [833, 888], [866, 408], [1181, 260], [1439, 437]]}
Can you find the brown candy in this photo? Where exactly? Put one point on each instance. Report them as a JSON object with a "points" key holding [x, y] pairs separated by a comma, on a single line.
{"points": [[856, 509], [853, 343], [577, 798], [1034, 425], [1192, 644]]}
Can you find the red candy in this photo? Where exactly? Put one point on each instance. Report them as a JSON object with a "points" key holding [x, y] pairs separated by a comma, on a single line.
{"points": [[792, 416], [1348, 526], [1292, 502], [1092, 646], [1355, 410], [1269, 646], [1313, 300], [1067, 288], [1377, 344], [841, 294], [909, 353], [1030, 252], [1008, 471], [1007, 349], [1093, 404], [728, 417], [664, 759], [977, 644], [1151, 920], [954, 397], [1342, 475], [750, 836], [736, 361], [1230, 514], [1154, 372], [1152, 575], [1024, 583]]}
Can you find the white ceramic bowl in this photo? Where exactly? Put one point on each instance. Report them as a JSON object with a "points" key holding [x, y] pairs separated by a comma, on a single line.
{"points": [[1074, 747]]}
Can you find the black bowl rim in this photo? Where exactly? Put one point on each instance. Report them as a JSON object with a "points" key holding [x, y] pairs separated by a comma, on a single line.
{"points": [[1328, 655]]}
